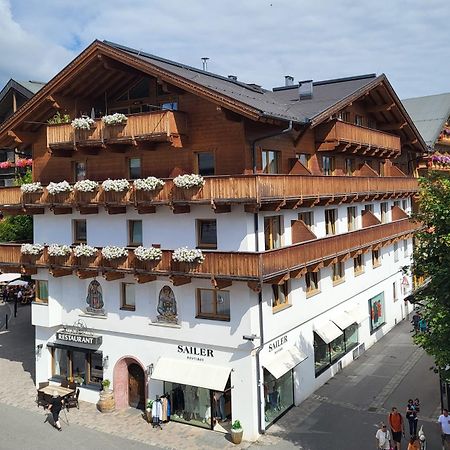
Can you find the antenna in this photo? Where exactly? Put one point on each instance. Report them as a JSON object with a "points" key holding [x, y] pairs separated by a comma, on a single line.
{"points": [[205, 63]]}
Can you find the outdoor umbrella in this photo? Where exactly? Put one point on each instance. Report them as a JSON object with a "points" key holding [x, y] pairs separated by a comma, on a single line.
{"points": [[18, 283]]}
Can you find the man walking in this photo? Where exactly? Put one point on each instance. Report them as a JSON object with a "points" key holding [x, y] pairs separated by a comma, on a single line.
{"points": [[444, 422], [55, 407], [383, 438], [397, 427]]}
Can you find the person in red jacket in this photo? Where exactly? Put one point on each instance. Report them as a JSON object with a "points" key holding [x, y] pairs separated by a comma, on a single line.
{"points": [[397, 427]]}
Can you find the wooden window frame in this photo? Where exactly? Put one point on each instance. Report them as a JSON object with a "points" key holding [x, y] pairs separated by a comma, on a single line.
{"points": [[310, 221], [358, 268], [277, 156], [285, 287], [130, 224], [123, 297], [338, 273], [201, 244], [376, 258], [129, 167], [333, 223], [76, 239], [214, 315], [270, 237], [310, 291], [37, 297], [369, 207], [197, 165]]}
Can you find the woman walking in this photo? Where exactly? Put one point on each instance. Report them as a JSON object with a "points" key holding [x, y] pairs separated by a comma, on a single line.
{"points": [[55, 406]]}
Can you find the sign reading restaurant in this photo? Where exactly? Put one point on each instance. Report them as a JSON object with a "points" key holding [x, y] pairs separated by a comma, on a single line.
{"points": [[78, 333]]}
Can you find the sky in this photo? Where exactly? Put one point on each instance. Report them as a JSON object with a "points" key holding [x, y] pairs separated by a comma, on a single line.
{"points": [[259, 41]]}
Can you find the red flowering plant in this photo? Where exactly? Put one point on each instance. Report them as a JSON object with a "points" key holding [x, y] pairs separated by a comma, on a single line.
{"points": [[24, 162], [5, 165]]}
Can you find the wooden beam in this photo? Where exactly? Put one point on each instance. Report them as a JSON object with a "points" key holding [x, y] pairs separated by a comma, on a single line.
{"points": [[299, 273], [60, 210], [88, 209], [221, 283], [280, 279], [145, 209], [111, 275], [179, 280], [380, 108], [252, 207], [391, 126], [220, 208], [180, 208], [115, 209], [60, 272], [144, 278], [255, 286], [52, 101], [28, 270], [83, 274]]}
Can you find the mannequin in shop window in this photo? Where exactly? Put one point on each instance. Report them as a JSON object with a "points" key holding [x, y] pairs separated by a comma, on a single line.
{"points": [[219, 406]]}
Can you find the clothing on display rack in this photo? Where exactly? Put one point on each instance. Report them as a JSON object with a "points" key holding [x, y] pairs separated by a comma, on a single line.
{"points": [[156, 413]]}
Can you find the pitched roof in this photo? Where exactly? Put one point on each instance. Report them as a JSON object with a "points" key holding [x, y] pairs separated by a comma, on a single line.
{"points": [[429, 114], [26, 88]]}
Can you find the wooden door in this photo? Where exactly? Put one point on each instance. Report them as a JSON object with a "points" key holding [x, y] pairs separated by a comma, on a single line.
{"points": [[136, 386]]}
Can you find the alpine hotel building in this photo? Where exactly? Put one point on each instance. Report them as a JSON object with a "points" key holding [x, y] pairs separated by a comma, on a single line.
{"points": [[298, 228]]}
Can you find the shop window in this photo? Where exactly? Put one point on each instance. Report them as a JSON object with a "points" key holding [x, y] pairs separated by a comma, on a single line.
{"points": [[368, 207], [60, 363], [135, 233], [376, 259], [307, 217], [349, 166], [79, 169], [394, 291], [338, 273], [322, 354], [278, 395], [358, 264], [376, 312], [78, 361], [405, 248], [312, 280], [207, 233], [359, 120], [280, 296], [213, 304], [128, 297], [384, 212], [270, 161], [337, 348], [95, 373], [134, 168], [304, 159], [272, 232], [330, 221], [205, 163], [351, 218], [395, 252], [328, 165], [351, 337], [41, 291], [79, 227]]}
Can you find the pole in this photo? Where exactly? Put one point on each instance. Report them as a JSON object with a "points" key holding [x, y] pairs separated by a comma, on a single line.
{"points": [[15, 307], [6, 321]]}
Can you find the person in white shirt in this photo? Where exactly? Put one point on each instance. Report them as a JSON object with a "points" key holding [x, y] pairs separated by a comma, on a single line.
{"points": [[444, 422], [383, 437]]}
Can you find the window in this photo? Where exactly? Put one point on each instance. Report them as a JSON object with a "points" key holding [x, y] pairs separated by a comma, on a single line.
{"points": [[359, 120], [349, 166], [60, 363], [405, 248], [270, 161], [376, 260], [368, 207], [395, 252], [371, 124], [312, 283], [330, 221], [344, 116], [79, 231], [381, 168], [79, 169], [206, 233], [272, 232], [213, 304], [394, 291], [41, 291], [134, 168], [322, 354], [328, 165], [404, 205], [280, 296], [171, 106], [358, 264], [397, 203], [304, 159], [338, 273], [351, 218], [308, 218], [128, 297], [135, 233], [384, 211], [205, 163]]}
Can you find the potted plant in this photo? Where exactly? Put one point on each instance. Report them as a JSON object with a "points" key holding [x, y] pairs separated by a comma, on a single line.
{"points": [[188, 259], [148, 410], [31, 252], [58, 253], [188, 186], [85, 190], [31, 192], [236, 432], [147, 258], [113, 256], [114, 191], [59, 192], [106, 402], [147, 188]]}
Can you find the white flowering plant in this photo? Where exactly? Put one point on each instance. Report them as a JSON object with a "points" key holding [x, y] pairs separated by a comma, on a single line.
{"points": [[83, 123], [30, 188], [148, 254], [112, 252], [58, 188], [189, 181], [58, 250], [85, 186], [115, 185], [115, 119], [148, 184], [31, 249], [84, 250], [189, 255]]}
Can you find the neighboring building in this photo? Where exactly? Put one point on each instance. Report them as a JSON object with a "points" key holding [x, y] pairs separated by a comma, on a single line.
{"points": [[302, 221], [431, 116], [12, 97]]}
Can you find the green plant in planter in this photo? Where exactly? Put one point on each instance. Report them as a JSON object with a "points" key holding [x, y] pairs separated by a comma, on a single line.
{"points": [[59, 118], [149, 404], [106, 383], [236, 425]]}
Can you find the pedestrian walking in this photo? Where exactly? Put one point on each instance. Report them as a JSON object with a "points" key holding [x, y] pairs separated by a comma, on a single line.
{"points": [[55, 406], [397, 427], [415, 322], [414, 443], [444, 423], [383, 437], [411, 415], [423, 325]]}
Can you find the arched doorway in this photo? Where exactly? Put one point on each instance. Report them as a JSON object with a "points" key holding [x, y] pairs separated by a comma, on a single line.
{"points": [[136, 386]]}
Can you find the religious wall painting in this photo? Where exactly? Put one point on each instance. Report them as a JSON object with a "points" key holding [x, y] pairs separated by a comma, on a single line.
{"points": [[167, 306], [94, 299]]}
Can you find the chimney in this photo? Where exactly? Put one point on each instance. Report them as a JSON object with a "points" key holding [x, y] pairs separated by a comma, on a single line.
{"points": [[232, 77], [288, 80], [305, 89]]}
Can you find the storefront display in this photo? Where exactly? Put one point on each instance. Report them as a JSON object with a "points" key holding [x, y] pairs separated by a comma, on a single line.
{"points": [[376, 311], [278, 395]]}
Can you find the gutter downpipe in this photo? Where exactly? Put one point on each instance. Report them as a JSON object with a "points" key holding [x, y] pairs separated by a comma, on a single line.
{"points": [[261, 429]]}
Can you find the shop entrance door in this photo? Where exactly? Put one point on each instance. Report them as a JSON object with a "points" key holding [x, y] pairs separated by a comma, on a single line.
{"points": [[136, 386]]}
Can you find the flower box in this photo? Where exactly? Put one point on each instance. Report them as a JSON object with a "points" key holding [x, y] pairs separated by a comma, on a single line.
{"points": [[185, 267], [86, 197], [82, 124], [59, 260], [115, 119], [86, 261], [60, 198], [31, 197], [114, 132], [147, 266], [115, 197]]}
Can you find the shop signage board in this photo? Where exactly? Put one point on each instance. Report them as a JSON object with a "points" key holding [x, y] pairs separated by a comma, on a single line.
{"points": [[78, 333]]}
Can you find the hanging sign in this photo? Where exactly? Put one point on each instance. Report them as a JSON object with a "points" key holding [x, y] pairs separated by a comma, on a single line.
{"points": [[78, 333]]}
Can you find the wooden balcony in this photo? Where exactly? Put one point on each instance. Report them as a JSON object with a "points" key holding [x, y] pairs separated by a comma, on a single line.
{"points": [[256, 192], [156, 126], [346, 137], [271, 266]]}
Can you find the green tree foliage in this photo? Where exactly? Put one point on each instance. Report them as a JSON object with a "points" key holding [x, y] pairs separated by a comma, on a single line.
{"points": [[17, 228], [432, 260]]}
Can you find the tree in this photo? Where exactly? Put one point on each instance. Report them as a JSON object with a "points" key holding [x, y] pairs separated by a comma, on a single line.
{"points": [[432, 261]]}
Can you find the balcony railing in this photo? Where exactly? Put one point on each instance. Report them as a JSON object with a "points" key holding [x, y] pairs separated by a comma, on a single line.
{"points": [[152, 126], [246, 266], [338, 133], [253, 190]]}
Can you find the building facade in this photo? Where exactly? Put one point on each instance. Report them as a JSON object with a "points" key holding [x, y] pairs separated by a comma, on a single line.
{"points": [[276, 267]]}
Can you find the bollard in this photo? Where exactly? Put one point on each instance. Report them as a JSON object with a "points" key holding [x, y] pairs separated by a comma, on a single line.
{"points": [[15, 308], [6, 321]]}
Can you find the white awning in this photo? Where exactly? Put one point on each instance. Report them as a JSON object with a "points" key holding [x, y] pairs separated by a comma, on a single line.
{"points": [[5, 277], [285, 361], [343, 320], [192, 373], [357, 315], [328, 331]]}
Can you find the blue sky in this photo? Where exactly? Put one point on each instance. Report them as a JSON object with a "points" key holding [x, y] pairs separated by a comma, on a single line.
{"points": [[260, 41]]}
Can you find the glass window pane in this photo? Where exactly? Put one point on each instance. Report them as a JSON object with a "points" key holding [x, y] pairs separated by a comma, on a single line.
{"points": [[205, 163], [134, 168], [207, 301], [351, 336], [278, 395], [80, 230], [129, 298], [80, 171], [135, 232], [337, 348], [223, 303], [207, 230], [42, 291], [321, 354], [60, 363], [79, 367], [96, 368]]}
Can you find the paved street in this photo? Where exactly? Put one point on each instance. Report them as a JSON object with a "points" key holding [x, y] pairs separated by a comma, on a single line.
{"points": [[341, 415]]}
